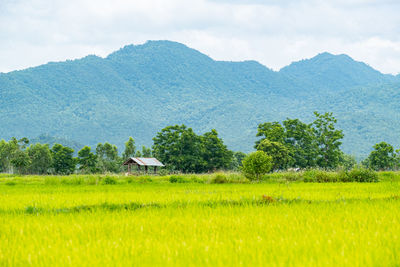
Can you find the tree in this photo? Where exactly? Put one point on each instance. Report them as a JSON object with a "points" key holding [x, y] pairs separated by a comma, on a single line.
{"points": [[41, 158], [328, 140], [108, 160], [179, 148], [279, 153], [237, 159], [382, 157], [272, 131], [63, 160], [20, 161], [4, 156], [215, 153], [256, 164], [130, 149], [146, 152], [348, 162], [300, 140], [87, 160]]}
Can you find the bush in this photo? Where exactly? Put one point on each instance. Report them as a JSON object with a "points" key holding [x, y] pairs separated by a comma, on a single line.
{"points": [[109, 180], [256, 164], [219, 179], [318, 176], [177, 179], [363, 175]]}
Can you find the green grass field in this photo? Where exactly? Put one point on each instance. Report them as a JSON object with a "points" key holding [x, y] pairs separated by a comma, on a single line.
{"points": [[80, 221]]}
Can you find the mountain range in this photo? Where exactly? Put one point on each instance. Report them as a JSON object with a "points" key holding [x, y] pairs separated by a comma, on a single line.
{"points": [[139, 89]]}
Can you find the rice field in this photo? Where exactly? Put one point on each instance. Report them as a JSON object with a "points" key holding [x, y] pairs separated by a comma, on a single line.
{"points": [[59, 221]]}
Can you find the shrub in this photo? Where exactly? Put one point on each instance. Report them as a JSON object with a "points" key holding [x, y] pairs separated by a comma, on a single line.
{"points": [[109, 180], [177, 179], [256, 164], [219, 179], [363, 175], [319, 176]]}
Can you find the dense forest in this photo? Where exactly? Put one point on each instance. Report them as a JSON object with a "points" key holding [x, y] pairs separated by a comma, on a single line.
{"points": [[291, 144], [141, 89]]}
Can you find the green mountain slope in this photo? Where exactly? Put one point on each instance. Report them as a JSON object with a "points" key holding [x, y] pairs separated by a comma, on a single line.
{"points": [[140, 89]]}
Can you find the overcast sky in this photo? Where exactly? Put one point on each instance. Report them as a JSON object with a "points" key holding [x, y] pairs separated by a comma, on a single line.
{"points": [[273, 32]]}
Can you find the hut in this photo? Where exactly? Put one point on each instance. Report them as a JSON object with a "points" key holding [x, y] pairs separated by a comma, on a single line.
{"points": [[145, 162]]}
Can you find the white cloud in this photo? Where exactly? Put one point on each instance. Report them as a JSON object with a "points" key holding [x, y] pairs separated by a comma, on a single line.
{"points": [[272, 32]]}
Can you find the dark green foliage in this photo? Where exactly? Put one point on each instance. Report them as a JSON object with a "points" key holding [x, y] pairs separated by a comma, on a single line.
{"points": [[300, 139], [181, 149], [319, 176], [300, 145], [107, 158], [328, 140], [354, 175], [130, 149], [146, 152], [52, 140], [279, 153], [87, 160], [140, 89], [109, 180], [347, 162], [215, 153], [63, 160], [20, 161], [237, 159], [383, 157], [178, 179], [219, 179], [362, 175], [40, 157]]}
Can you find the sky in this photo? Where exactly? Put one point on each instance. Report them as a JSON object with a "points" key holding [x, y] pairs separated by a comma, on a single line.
{"points": [[273, 32]]}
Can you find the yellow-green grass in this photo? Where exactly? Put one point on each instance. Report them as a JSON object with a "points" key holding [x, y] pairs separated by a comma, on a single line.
{"points": [[194, 224]]}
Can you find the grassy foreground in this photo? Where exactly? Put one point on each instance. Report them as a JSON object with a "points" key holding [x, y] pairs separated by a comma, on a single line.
{"points": [[48, 221]]}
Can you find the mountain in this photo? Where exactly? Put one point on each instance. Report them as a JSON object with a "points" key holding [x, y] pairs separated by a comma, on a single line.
{"points": [[138, 90]]}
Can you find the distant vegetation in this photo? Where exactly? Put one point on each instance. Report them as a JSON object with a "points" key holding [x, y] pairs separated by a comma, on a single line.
{"points": [[140, 89], [292, 145]]}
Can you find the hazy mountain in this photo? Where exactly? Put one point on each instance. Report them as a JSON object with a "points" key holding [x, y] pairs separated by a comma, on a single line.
{"points": [[138, 90]]}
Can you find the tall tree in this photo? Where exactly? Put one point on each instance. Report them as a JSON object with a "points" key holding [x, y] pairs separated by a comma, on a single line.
{"points": [[63, 160], [108, 160], [20, 161], [279, 153], [272, 131], [130, 149], [179, 148], [300, 140], [328, 140], [87, 160], [41, 158], [216, 154], [382, 157], [146, 152]]}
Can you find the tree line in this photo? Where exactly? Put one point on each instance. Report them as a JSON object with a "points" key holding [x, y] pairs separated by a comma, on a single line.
{"points": [[289, 144]]}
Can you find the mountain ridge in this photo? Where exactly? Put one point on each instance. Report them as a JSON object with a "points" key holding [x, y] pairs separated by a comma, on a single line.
{"points": [[138, 89]]}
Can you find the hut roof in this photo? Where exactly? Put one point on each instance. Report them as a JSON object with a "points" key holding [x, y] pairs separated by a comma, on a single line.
{"points": [[144, 162]]}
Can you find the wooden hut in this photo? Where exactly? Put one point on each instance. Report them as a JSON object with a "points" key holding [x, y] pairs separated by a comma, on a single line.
{"points": [[145, 162]]}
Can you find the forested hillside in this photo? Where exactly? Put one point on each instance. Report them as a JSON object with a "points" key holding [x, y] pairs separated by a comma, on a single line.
{"points": [[138, 90]]}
